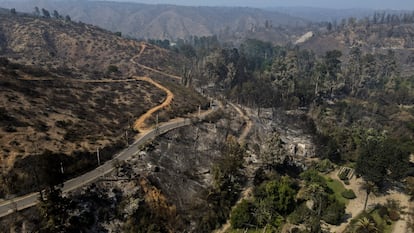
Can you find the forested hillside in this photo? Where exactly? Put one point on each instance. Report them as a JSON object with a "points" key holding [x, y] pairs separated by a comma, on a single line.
{"points": [[311, 137], [357, 96]]}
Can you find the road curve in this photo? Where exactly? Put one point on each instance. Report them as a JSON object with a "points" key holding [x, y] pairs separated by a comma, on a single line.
{"points": [[139, 124], [23, 202], [19, 203], [248, 122]]}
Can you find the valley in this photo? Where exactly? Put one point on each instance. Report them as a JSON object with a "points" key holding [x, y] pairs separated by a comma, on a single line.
{"points": [[272, 124]]}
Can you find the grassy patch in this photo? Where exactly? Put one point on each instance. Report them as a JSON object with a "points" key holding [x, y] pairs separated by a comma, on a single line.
{"points": [[382, 223], [337, 187], [374, 215]]}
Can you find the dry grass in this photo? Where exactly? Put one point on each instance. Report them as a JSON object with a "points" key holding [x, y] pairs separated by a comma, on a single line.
{"points": [[54, 112]]}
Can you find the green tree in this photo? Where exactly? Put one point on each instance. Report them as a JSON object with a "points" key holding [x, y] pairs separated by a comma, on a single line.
{"points": [[364, 225], [241, 216], [227, 179], [278, 195], [45, 13], [371, 164], [333, 68], [334, 212], [36, 11], [263, 212], [369, 188], [317, 194], [56, 14], [380, 158], [54, 211], [318, 78], [354, 69]]}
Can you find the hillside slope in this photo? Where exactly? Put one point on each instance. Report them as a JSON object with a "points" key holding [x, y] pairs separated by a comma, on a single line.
{"points": [[70, 88], [165, 21], [369, 37]]}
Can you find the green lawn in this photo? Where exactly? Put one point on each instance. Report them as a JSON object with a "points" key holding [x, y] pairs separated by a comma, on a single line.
{"points": [[381, 222], [337, 187]]}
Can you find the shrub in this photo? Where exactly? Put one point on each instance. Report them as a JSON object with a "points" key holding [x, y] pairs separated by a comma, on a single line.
{"points": [[324, 166], [394, 215], [334, 213], [383, 211], [112, 69], [348, 194], [241, 215], [300, 215]]}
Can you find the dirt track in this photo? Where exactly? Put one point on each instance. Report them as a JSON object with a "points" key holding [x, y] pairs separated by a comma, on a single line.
{"points": [[248, 126], [139, 124], [247, 192], [133, 60]]}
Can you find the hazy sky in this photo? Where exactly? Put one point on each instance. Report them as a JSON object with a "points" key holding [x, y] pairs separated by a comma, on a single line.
{"points": [[374, 4]]}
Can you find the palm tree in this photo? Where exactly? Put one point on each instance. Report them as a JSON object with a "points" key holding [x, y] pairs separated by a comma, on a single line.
{"points": [[364, 225], [369, 188], [316, 192]]}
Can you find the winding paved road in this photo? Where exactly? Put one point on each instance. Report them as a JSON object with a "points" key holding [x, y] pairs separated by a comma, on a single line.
{"points": [[20, 203]]}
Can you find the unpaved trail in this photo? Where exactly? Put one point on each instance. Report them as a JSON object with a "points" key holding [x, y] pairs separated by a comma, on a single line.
{"points": [[247, 193], [139, 124], [133, 60], [80, 80], [143, 47], [247, 128], [158, 71]]}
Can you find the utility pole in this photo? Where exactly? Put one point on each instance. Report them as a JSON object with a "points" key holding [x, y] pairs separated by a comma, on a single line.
{"points": [[126, 137], [36, 175], [97, 155], [156, 125], [199, 110]]}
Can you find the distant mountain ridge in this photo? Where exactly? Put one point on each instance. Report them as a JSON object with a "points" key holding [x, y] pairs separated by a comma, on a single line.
{"points": [[163, 21], [330, 15]]}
